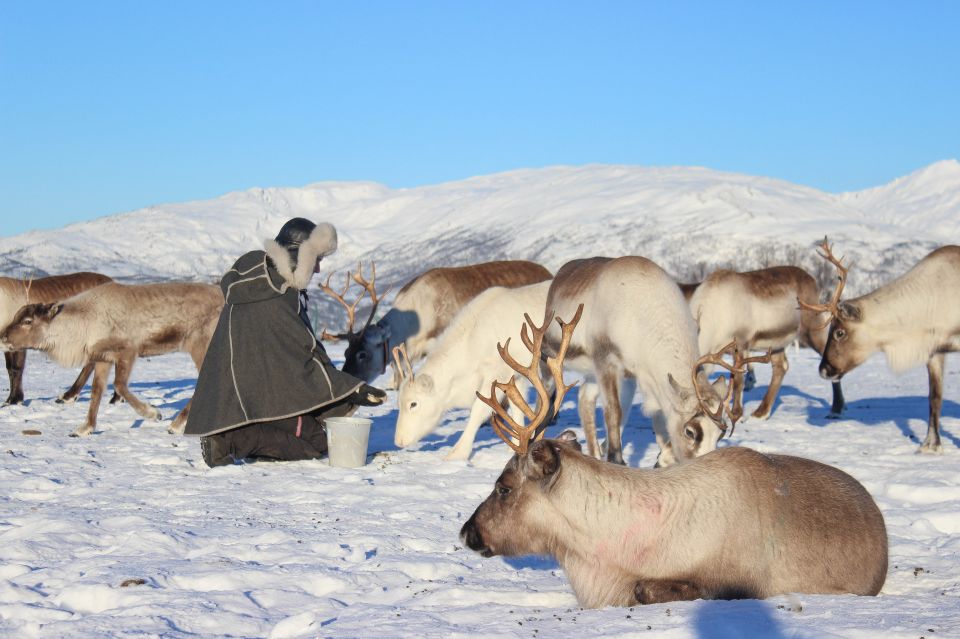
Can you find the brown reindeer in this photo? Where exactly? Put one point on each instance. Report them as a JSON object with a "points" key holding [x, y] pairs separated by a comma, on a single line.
{"points": [[16, 293], [113, 324], [759, 310], [423, 309], [734, 523], [914, 319]]}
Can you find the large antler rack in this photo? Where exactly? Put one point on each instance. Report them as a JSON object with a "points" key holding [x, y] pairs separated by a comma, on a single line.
{"points": [[833, 306], [517, 436], [369, 288], [738, 367]]}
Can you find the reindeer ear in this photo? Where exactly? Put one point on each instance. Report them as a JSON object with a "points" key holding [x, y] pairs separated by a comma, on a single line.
{"points": [[570, 437], [425, 382], [849, 311], [51, 310], [542, 460], [682, 392], [720, 386]]}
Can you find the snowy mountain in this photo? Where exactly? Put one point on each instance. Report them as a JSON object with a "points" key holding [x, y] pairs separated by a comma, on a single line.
{"points": [[689, 220]]}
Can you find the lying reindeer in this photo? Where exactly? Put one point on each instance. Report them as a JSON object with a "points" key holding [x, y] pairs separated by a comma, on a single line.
{"points": [[913, 319], [423, 309], [14, 294], [734, 523], [113, 324]]}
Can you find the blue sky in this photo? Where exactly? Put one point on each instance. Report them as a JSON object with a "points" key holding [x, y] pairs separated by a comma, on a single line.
{"points": [[112, 106]]}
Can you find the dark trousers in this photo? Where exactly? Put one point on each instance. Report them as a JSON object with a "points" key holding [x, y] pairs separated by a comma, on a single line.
{"points": [[289, 439]]}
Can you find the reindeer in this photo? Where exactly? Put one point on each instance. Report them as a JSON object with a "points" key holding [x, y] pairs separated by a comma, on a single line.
{"points": [[734, 523], [459, 365], [913, 319], [759, 310], [423, 309], [16, 293], [113, 324], [636, 329]]}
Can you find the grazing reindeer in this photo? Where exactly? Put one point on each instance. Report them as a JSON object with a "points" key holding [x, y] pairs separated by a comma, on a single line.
{"points": [[114, 324], [460, 364], [759, 310], [14, 294], [913, 319], [734, 523], [636, 329], [423, 309]]}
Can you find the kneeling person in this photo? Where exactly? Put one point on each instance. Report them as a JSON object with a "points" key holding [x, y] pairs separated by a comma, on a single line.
{"points": [[266, 383]]}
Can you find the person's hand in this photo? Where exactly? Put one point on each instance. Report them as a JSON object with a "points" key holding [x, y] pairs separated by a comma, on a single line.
{"points": [[368, 395]]}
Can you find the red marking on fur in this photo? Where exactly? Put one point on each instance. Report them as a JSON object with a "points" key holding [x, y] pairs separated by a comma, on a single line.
{"points": [[299, 424]]}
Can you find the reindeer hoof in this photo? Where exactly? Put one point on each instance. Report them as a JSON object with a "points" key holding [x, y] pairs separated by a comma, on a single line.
{"points": [[456, 455], [759, 414], [931, 449], [82, 431], [66, 400]]}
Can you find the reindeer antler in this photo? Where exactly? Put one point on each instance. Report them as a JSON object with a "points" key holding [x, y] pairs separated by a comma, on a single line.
{"points": [[401, 358], [833, 306], [506, 428], [739, 365], [369, 287]]}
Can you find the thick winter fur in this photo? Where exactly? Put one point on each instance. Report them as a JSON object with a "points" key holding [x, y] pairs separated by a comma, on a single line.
{"points": [[465, 361], [321, 243], [424, 308], [636, 328], [759, 309], [16, 293], [731, 524], [114, 324], [914, 319]]}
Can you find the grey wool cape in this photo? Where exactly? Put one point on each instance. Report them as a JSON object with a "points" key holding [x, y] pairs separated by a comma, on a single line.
{"points": [[264, 363]]}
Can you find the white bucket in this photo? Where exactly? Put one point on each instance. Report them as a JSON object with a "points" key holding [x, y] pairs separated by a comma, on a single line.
{"points": [[347, 439]]}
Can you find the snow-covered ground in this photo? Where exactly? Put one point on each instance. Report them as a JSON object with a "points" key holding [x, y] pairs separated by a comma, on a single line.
{"points": [[127, 532]]}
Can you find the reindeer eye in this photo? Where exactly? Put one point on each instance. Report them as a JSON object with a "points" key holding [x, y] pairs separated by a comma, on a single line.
{"points": [[839, 333], [361, 356], [28, 320], [414, 405], [690, 431], [502, 490]]}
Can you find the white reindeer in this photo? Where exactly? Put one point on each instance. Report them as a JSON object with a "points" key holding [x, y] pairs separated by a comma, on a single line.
{"points": [[636, 329], [464, 359], [913, 319]]}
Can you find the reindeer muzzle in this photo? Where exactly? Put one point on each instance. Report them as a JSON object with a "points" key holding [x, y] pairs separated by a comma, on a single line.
{"points": [[470, 534]]}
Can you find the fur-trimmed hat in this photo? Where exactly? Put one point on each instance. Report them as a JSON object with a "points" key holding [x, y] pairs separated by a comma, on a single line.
{"points": [[296, 249]]}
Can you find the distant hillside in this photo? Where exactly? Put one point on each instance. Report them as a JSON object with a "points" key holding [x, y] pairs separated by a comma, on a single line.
{"points": [[689, 220]]}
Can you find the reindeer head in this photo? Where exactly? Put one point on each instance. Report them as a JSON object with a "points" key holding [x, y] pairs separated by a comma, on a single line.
{"points": [[516, 518], [28, 328], [365, 345], [712, 414], [846, 348], [420, 404]]}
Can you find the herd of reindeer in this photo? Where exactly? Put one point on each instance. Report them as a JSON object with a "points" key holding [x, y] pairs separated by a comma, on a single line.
{"points": [[729, 524]]}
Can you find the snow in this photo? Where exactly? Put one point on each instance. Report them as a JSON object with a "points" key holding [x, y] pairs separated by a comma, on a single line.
{"points": [[302, 549], [128, 532]]}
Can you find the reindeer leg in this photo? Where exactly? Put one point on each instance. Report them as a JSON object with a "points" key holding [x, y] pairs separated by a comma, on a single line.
{"points": [[839, 404], [935, 372], [750, 379], [664, 591], [736, 411], [479, 413], [124, 366], [778, 361], [609, 381], [16, 360], [100, 372], [587, 409], [71, 393]]}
